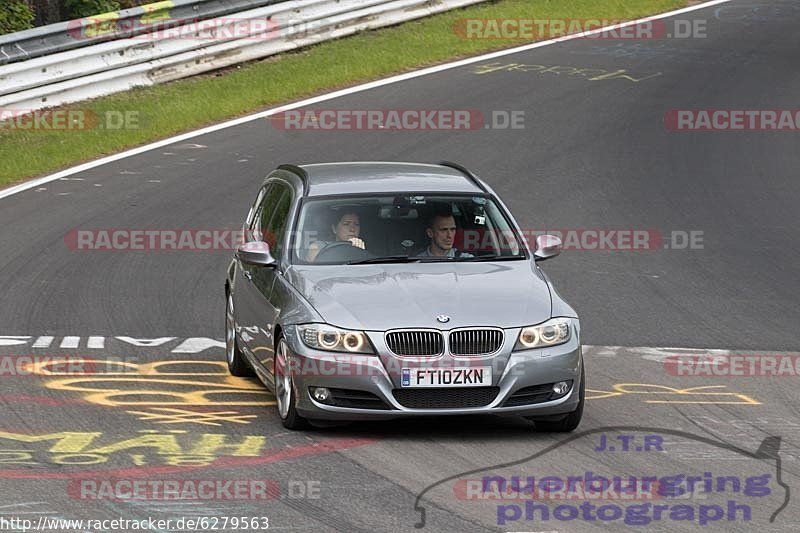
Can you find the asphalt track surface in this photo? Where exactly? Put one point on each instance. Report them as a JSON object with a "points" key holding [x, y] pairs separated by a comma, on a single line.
{"points": [[593, 155]]}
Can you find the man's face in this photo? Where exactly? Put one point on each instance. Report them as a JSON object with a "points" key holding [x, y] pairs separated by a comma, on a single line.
{"points": [[442, 234]]}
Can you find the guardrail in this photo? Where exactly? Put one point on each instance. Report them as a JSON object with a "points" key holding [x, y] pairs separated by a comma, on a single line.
{"points": [[149, 59], [144, 48], [65, 36]]}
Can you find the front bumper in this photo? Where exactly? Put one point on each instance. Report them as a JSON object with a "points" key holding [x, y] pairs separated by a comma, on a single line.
{"points": [[379, 377]]}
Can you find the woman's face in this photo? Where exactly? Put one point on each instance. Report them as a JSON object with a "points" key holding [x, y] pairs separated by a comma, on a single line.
{"points": [[347, 227]]}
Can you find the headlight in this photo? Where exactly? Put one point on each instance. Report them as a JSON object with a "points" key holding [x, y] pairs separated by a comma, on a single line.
{"points": [[551, 333], [329, 338]]}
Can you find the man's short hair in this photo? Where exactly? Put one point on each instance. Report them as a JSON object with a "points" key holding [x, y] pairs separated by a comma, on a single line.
{"points": [[439, 212]]}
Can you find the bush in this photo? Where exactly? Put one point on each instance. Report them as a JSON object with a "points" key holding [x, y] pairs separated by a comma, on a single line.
{"points": [[15, 16], [125, 4], [86, 8]]}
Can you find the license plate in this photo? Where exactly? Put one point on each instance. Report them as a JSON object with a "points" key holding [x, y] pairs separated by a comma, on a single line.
{"points": [[480, 376]]}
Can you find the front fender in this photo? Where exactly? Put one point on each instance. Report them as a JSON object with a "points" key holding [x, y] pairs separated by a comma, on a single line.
{"points": [[292, 307], [559, 306]]}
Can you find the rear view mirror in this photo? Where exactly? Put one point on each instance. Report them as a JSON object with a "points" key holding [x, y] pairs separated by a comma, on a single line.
{"points": [[547, 247], [395, 212], [255, 253]]}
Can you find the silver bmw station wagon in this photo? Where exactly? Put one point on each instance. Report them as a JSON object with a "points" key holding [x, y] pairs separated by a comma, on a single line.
{"points": [[377, 290]]}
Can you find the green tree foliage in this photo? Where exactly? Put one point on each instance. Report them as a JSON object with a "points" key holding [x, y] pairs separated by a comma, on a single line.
{"points": [[86, 8], [125, 4], [15, 15]]}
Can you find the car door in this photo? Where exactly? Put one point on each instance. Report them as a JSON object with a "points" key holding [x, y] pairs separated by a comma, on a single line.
{"points": [[268, 225], [243, 297]]}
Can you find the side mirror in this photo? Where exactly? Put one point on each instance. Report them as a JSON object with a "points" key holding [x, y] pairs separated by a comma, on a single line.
{"points": [[547, 247], [256, 253]]}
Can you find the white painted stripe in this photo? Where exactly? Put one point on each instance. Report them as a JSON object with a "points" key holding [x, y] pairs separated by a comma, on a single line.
{"points": [[336, 94], [70, 342], [43, 342], [96, 343], [13, 340]]}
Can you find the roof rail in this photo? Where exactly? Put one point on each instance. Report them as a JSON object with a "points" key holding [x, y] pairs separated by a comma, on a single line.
{"points": [[299, 172], [464, 170]]}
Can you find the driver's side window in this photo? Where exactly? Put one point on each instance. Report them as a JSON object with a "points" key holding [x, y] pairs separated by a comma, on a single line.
{"points": [[269, 222], [252, 215]]}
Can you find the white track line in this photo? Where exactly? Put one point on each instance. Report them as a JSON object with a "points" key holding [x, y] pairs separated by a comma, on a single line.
{"points": [[330, 96]]}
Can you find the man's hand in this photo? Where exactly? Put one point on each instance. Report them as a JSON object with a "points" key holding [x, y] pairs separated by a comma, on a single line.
{"points": [[358, 243]]}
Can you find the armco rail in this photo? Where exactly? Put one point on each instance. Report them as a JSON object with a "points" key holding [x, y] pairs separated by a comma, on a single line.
{"points": [[273, 19], [65, 36], [142, 62]]}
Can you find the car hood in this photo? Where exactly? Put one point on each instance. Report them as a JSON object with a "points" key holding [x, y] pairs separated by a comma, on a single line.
{"points": [[379, 297]]}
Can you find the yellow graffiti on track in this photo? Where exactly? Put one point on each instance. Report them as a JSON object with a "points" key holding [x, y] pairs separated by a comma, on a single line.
{"points": [[165, 415], [173, 448], [662, 394], [588, 74], [160, 383]]}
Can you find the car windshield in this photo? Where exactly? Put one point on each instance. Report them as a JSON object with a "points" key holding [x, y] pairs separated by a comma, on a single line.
{"points": [[401, 229]]}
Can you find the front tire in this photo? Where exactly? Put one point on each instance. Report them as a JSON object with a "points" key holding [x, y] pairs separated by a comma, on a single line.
{"points": [[285, 392], [237, 364]]}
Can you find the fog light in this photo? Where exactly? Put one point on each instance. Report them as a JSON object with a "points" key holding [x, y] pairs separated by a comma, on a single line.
{"points": [[321, 394], [561, 388]]}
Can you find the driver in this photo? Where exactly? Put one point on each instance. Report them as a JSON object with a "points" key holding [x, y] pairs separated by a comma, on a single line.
{"points": [[442, 233], [346, 228]]}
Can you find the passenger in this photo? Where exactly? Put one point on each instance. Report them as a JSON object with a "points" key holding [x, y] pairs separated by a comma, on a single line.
{"points": [[347, 228], [441, 231]]}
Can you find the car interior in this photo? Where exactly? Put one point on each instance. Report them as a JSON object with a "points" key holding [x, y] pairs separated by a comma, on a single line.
{"points": [[390, 227]]}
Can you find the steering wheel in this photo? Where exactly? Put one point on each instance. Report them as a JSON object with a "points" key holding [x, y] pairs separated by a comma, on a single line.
{"points": [[341, 251]]}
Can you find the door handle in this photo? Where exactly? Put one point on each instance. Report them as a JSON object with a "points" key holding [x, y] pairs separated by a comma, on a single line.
{"points": [[247, 274]]}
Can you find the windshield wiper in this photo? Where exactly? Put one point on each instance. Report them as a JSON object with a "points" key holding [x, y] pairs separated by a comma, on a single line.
{"points": [[385, 259], [492, 257]]}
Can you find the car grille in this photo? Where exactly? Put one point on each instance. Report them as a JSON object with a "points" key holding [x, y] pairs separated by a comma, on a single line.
{"points": [[415, 342], [446, 398], [530, 395], [475, 341], [356, 399]]}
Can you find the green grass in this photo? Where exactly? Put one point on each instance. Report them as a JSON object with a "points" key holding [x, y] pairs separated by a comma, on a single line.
{"points": [[191, 103]]}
